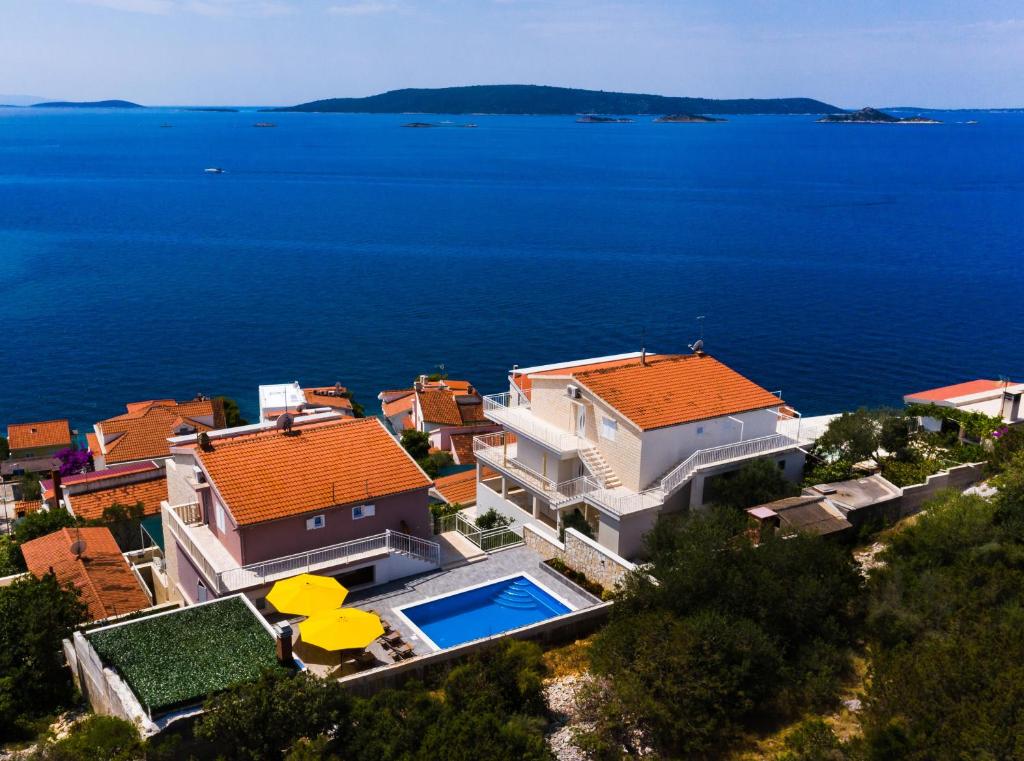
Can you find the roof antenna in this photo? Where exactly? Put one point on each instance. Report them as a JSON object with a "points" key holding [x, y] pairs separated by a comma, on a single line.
{"points": [[697, 347], [643, 347]]}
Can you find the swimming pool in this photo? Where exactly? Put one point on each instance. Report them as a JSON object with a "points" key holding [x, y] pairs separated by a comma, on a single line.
{"points": [[482, 610]]}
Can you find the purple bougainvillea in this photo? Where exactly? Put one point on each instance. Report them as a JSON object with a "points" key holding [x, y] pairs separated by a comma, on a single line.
{"points": [[73, 461]]}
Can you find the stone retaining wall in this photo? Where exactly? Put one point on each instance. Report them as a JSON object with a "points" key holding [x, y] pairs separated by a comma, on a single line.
{"points": [[565, 628], [582, 554]]}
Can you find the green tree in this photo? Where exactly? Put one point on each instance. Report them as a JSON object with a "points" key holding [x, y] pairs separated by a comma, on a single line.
{"points": [[30, 486], [575, 520], [492, 519], [11, 560], [42, 522], [416, 443], [35, 615], [124, 522], [678, 685], [264, 718], [853, 436], [757, 482], [95, 737], [232, 412]]}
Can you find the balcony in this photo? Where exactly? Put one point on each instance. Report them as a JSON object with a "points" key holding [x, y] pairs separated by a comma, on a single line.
{"points": [[498, 451], [226, 575], [514, 413]]}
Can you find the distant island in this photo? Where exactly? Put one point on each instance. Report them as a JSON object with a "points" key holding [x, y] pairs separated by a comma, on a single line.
{"points": [[87, 104], [686, 119], [544, 100], [870, 115], [595, 119]]}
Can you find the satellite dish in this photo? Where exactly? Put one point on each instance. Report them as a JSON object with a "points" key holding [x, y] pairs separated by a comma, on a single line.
{"points": [[285, 422], [78, 548], [697, 346]]}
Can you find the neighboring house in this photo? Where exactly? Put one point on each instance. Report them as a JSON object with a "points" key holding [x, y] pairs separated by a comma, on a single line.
{"points": [[278, 398], [814, 514], [459, 488], [450, 412], [142, 432], [89, 560], [623, 439], [318, 493], [87, 495], [992, 397], [30, 441]]}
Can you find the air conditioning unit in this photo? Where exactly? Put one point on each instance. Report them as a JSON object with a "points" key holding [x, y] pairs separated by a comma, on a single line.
{"points": [[573, 392]]}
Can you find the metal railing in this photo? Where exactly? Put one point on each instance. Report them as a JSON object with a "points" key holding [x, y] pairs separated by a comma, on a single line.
{"points": [[174, 520], [499, 451], [741, 450], [487, 540], [513, 411], [255, 574]]}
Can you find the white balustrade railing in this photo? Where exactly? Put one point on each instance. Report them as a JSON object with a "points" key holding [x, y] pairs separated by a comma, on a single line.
{"points": [[513, 411], [255, 574], [741, 450]]}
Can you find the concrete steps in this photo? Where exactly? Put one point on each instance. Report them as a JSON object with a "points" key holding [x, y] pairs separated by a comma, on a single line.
{"points": [[599, 468]]}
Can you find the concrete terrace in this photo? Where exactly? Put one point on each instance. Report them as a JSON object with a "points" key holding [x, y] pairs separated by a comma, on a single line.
{"points": [[520, 559]]}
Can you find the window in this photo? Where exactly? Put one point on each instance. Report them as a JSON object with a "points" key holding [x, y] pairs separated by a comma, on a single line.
{"points": [[608, 428], [362, 511], [317, 521], [220, 518], [700, 430], [202, 595], [782, 464]]}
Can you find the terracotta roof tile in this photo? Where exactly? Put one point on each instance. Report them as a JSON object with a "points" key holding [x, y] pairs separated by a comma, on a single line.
{"points": [[957, 389], [27, 506], [91, 504], [49, 433], [102, 576], [328, 396], [142, 432], [270, 475], [460, 487], [676, 389], [438, 406], [462, 448], [403, 404]]}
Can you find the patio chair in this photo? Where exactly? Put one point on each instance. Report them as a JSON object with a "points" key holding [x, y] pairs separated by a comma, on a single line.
{"points": [[404, 651], [392, 638]]}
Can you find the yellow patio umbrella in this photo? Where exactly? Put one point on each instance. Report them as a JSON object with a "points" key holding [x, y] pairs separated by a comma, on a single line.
{"points": [[341, 629], [305, 594]]}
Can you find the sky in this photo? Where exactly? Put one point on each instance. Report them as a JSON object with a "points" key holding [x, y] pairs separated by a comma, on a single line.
{"points": [[851, 53]]}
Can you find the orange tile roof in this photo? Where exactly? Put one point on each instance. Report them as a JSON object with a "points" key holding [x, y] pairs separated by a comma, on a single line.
{"points": [[90, 505], [102, 576], [460, 487], [27, 506], [672, 390], [327, 396], [270, 475], [438, 406], [523, 381], [462, 448], [142, 432], [49, 433], [403, 404], [957, 389]]}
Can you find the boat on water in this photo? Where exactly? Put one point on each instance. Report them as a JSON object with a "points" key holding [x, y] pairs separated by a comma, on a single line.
{"points": [[166, 126], [264, 124], [213, 170]]}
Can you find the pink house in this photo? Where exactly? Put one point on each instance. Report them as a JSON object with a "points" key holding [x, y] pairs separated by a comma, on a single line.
{"points": [[330, 495]]}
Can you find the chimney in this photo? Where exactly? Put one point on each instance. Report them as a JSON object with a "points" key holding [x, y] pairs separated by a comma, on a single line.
{"points": [[643, 356], [283, 645], [55, 477]]}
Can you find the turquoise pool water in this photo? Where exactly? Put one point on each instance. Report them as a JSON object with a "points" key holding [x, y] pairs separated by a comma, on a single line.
{"points": [[482, 611]]}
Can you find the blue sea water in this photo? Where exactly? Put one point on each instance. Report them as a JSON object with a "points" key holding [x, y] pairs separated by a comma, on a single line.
{"points": [[484, 611], [843, 264]]}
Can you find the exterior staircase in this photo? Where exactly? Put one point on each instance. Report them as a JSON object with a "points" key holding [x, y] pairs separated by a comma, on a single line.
{"points": [[599, 468]]}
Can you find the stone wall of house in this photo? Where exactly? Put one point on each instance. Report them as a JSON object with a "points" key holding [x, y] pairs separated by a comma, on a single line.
{"points": [[582, 554]]}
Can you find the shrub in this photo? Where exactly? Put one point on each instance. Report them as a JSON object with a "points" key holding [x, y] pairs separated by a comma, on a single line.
{"points": [[416, 443], [96, 737], [757, 482], [909, 473], [575, 576], [577, 521], [40, 523], [493, 519]]}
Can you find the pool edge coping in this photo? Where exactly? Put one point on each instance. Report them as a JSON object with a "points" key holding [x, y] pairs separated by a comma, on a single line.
{"points": [[400, 611]]}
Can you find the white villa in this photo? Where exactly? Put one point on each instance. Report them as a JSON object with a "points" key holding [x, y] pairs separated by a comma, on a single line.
{"points": [[623, 439]]}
